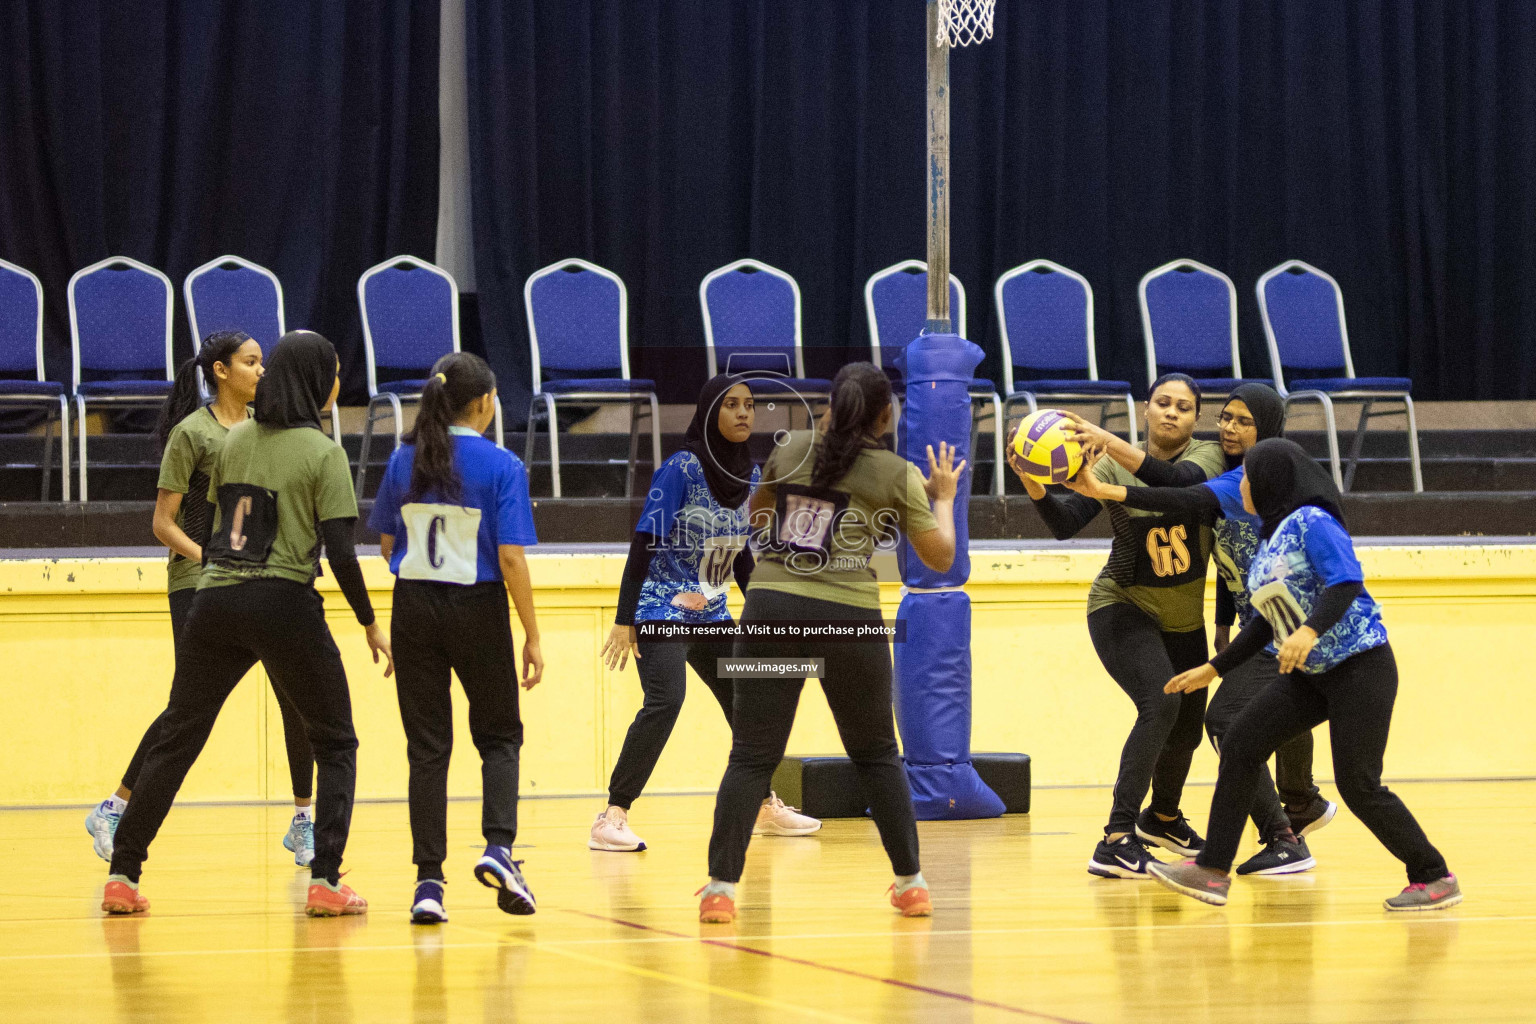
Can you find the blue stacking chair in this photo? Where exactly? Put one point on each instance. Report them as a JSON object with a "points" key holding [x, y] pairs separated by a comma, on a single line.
{"points": [[1303, 310], [1189, 320], [234, 294], [410, 320], [752, 326], [1045, 313], [21, 351], [896, 304], [119, 323], [578, 330]]}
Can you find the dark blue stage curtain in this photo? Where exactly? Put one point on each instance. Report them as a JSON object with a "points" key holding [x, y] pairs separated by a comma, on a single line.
{"points": [[299, 134], [1390, 142]]}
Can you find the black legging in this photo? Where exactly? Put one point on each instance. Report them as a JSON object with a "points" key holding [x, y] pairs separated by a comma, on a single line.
{"points": [[663, 669], [1293, 761], [437, 628], [1355, 698], [1142, 658], [857, 684], [301, 761], [280, 623]]}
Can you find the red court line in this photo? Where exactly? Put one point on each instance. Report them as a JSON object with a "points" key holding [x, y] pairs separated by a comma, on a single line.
{"points": [[897, 982]]}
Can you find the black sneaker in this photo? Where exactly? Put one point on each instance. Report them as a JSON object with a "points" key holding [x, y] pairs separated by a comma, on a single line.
{"points": [[1279, 857], [1317, 814], [1126, 857], [1178, 836]]}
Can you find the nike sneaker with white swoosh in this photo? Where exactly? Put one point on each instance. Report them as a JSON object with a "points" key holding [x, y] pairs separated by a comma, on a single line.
{"points": [[1126, 857]]}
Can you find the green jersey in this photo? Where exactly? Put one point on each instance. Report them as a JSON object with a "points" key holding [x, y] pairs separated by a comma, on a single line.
{"points": [[819, 541], [272, 487], [184, 468], [1157, 560]]}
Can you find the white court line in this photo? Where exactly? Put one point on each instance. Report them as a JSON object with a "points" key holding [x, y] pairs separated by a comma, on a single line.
{"points": [[1398, 919]]}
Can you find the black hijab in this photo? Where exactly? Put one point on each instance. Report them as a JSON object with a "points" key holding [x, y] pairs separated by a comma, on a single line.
{"points": [[727, 465], [299, 375], [1282, 478], [1267, 409]]}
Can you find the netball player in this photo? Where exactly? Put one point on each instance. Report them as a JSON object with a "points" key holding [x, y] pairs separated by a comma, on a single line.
{"points": [[453, 517], [1145, 613], [691, 538], [1253, 413], [190, 435], [823, 503], [280, 487], [1335, 666]]}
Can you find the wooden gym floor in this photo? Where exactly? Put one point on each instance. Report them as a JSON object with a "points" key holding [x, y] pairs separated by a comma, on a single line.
{"points": [[1021, 931]]}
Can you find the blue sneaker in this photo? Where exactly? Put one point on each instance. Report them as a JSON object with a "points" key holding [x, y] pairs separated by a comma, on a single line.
{"points": [[427, 905], [101, 822], [300, 840], [497, 870]]}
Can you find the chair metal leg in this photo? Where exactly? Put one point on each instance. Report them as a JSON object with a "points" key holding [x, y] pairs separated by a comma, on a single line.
{"points": [[1356, 442], [1130, 419], [529, 431], [895, 421], [48, 451], [80, 433], [1413, 445], [64, 481], [655, 431], [366, 446], [554, 444], [997, 445], [1331, 429], [336, 425], [501, 437], [634, 449], [394, 406]]}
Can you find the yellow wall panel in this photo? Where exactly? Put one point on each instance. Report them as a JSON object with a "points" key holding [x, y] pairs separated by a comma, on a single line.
{"points": [[87, 665]]}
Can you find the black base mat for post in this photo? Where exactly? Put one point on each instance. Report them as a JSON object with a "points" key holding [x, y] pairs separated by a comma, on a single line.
{"points": [[828, 787]]}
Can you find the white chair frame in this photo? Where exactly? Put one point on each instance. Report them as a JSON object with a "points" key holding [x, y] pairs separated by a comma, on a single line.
{"points": [[1029, 398], [38, 400], [282, 321], [548, 401], [390, 398], [1146, 314], [124, 401], [979, 402], [1343, 480]]}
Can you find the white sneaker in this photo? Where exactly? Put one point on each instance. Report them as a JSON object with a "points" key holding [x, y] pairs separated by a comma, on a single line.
{"points": [[775, 819], [101, 822], [611, 832]]}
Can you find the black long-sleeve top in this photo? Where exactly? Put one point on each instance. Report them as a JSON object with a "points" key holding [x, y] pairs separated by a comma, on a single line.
{"points": [[336, 535]]}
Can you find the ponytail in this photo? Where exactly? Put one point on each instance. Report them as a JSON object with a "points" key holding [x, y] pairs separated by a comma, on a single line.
{"points": [[860, 393], [186, 396], [457, 380]]}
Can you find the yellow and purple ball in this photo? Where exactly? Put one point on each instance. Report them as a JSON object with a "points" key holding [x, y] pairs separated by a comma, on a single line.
{"points": [[1043, 447]]}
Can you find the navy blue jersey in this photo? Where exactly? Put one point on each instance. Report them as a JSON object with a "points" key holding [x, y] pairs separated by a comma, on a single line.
{"points": [[456, 542]]}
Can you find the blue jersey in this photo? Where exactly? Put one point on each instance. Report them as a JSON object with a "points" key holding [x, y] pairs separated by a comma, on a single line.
{"points": [[1237, 538], [700, 539], [456, 542], [1308, 553]]}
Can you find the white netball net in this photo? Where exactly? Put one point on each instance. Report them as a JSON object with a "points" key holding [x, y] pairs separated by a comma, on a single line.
{"points": [[965, 22]]}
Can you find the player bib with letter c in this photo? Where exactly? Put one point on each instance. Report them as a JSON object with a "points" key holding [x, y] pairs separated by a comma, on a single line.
{"points": [[442, 543]]}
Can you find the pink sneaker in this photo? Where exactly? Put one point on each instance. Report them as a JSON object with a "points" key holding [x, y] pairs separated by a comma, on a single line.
{"points": [[610, 832], [775, 819]]}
